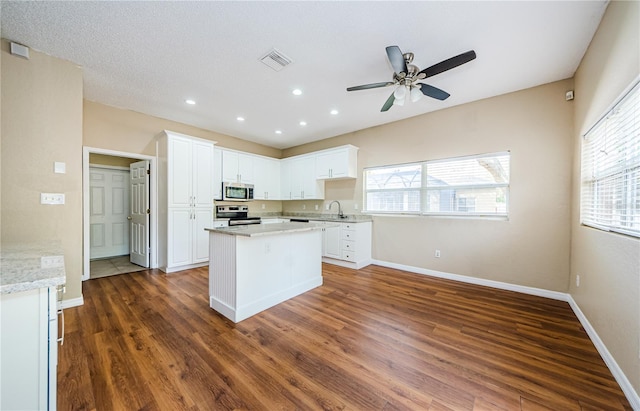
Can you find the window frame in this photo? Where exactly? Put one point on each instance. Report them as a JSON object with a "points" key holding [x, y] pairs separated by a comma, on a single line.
{"points": [[425, 189], [593, 175]]}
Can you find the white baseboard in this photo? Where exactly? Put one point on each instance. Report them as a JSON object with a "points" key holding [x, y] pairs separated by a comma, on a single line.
{"points": [[608, 359], [615, 369], [540, 292], [73, 302]]}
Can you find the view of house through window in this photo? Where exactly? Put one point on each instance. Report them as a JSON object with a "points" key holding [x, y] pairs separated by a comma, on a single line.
{"points": [[610, 197], [475, 185]]}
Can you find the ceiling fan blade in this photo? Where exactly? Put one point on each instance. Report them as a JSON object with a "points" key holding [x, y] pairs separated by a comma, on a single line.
{"points": [[434, 92], [448, 64], [368, 86], [396, 59], [387, 105]]}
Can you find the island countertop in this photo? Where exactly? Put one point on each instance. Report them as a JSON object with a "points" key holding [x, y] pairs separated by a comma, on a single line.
{"points": [[254, 230], [26, 267]]}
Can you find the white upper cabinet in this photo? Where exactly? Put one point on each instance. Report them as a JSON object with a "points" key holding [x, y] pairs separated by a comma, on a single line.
{"points": [[237, 167], [190, 172], [285, 179], [217, 173], [295, 178], [337, 163], [304, 185], [267, 178]]}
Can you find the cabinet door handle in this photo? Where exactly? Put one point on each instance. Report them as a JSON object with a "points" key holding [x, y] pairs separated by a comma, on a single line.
{"points": [[61, 338]]}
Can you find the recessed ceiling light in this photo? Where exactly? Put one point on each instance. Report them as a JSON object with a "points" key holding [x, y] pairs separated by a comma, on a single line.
{"points": [[297, 92], [278, 131], [303, 123], [334, 112], [239, 118], [190, 102]]}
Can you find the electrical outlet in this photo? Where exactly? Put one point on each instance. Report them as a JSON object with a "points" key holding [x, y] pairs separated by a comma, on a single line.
{"points": [[51, 198], [327, 207], [578, 280], [263, 206], [316, 207], [52, 261], [437, 253], [355, 206], [304, 206]]}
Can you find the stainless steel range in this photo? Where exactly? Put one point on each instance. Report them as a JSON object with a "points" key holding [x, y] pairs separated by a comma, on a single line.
{"points": [[236, 214]]}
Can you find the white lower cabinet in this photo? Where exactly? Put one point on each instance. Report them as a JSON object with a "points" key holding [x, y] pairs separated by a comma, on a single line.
{"points": [[346, 244], [331, 241], [188, 241], [29, 350]]}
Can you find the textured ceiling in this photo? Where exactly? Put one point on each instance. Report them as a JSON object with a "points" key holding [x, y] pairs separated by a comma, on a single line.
{"points": [[151, 56]]}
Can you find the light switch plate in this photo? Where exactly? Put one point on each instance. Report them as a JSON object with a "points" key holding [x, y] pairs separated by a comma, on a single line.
{"points": [[59, 167], [51, 198]]}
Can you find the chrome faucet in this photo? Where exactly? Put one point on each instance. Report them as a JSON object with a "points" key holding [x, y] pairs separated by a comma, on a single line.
{"points": [[339, 208]]}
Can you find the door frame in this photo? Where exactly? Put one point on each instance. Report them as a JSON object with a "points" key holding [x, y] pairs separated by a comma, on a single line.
{"points": [[153, 205]]}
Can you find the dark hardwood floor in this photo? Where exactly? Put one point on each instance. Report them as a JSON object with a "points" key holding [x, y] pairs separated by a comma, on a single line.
{"points": [[373, 339]]}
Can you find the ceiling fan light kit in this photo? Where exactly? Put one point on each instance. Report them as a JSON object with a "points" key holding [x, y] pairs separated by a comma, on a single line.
{"points": [[406, 76]]}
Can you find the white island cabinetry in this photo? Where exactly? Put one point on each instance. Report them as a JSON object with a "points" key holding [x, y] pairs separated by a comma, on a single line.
{"points": [[255, 267]]}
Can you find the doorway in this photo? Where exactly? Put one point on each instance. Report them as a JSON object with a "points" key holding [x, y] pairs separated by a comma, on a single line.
{"points": [[111, 200]]}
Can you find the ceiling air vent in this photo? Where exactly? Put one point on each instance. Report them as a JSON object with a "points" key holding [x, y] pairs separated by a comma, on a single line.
{"points": [[276, 60]]}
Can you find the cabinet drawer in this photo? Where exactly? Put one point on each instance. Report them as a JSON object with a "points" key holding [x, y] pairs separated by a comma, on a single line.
{"points": [[349, 255], [348, 245], [348, 234], [348, 226]]}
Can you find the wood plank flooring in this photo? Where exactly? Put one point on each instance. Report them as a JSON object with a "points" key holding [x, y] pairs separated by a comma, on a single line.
{"points": [[373, 339]]}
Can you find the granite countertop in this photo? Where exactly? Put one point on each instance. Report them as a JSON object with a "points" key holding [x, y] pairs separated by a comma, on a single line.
{"points": [[254, 230], [29, 266], [349, 218]]}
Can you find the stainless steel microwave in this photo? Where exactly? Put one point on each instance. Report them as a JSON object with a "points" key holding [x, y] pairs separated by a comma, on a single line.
{"points": [[237, 192]]}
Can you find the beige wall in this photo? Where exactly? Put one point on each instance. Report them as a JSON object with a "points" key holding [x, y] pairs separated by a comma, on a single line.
{"points": [[111, 161], [532, 247], [128, 131], [608, 264], [42, 124]]}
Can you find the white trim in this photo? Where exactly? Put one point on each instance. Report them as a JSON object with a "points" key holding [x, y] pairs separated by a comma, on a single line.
{"points": [[91, 165], [73, 302], [153, 194], [616, 371], [613, 366], [554, 295]]}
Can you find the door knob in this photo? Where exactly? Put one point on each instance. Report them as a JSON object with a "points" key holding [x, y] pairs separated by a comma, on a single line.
{"points": [[129, 218]]}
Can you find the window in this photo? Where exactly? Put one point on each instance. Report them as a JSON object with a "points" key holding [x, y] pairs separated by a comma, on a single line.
{"points": [[610, 196], [477, 185]]}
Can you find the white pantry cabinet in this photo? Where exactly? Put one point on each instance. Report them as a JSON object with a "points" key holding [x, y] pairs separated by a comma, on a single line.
{"points": [[337, 163], [267, 178], [185, 193], [237, 167]]}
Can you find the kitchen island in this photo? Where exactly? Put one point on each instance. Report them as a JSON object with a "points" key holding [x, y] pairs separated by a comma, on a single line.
{"points": [[254, 267]]}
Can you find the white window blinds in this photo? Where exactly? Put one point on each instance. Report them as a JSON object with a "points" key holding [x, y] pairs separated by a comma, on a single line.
{"points": [[474, 185], [610, 195]]}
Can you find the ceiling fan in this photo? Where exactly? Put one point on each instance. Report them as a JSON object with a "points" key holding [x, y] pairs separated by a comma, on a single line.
{"points": [[407, 75]]}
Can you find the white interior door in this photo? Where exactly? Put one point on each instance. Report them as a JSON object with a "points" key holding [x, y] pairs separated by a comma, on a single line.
{"points": [[109, 205], [139, 213]]}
